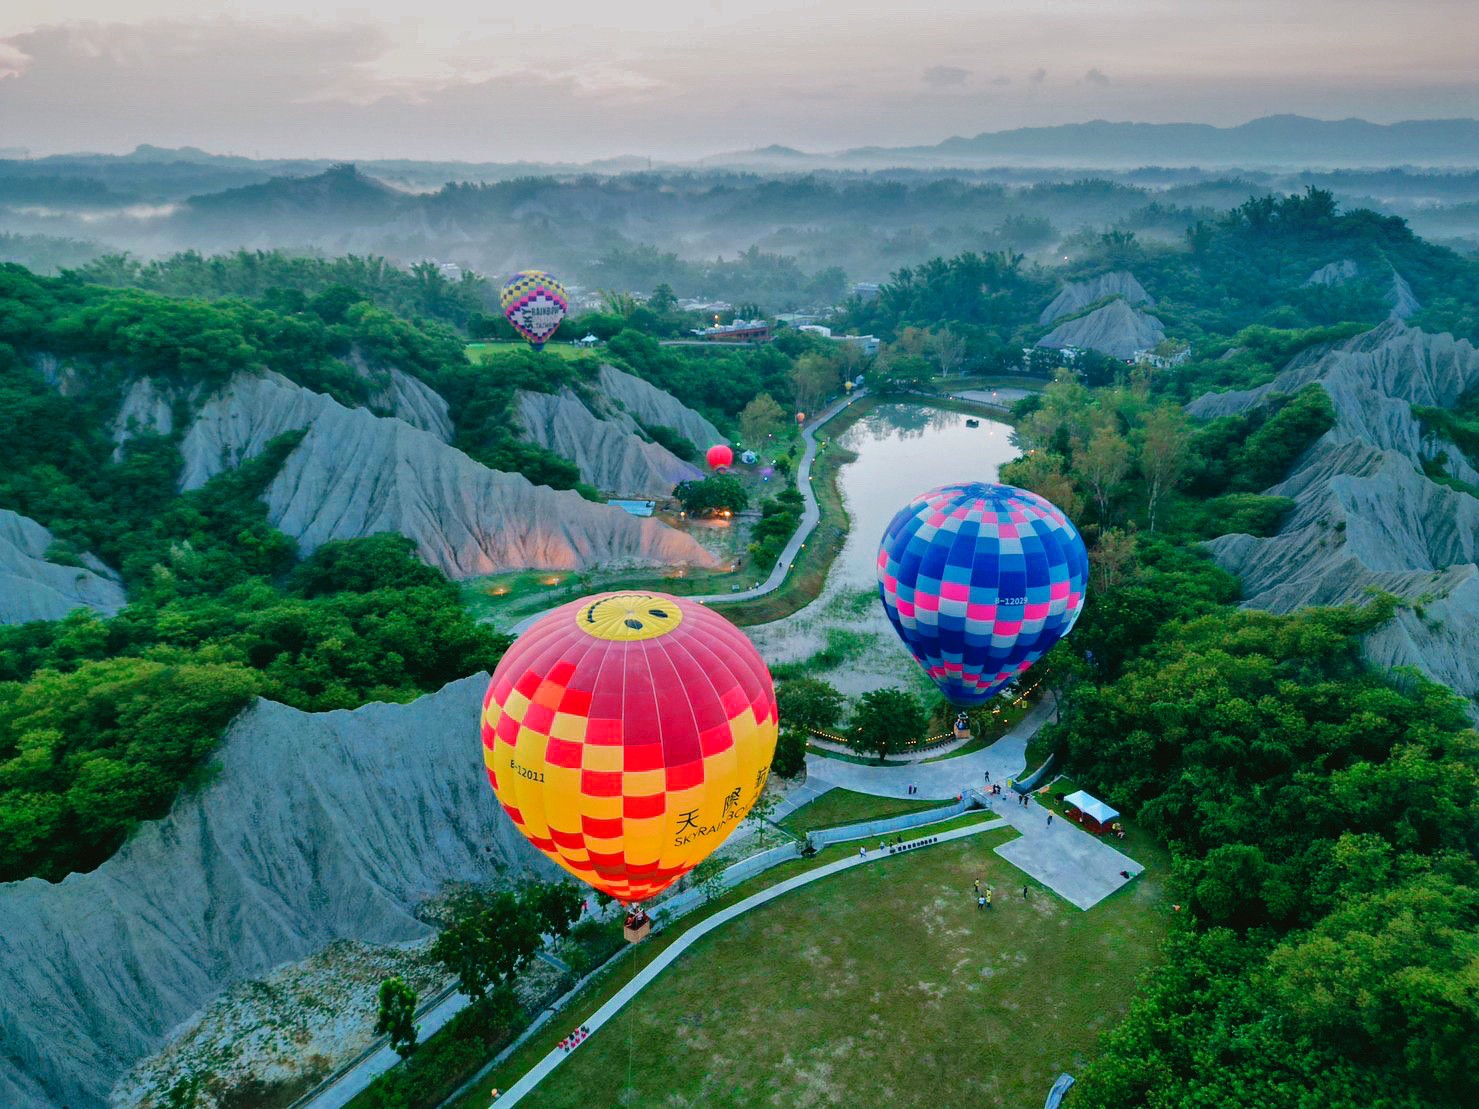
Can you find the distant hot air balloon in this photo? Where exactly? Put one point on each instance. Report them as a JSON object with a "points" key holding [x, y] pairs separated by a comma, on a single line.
{"points": [[535, 303], [719, 457], [800, 418], [979, 580], [627, 734], [847, 386]]}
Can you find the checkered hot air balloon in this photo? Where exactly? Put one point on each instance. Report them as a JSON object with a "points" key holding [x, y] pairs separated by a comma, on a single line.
{"points": [[535, 303], [979, 580], [627, 734]]}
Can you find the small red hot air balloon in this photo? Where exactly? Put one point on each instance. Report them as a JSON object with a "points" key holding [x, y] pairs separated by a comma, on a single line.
{"points": [[719, 457]]}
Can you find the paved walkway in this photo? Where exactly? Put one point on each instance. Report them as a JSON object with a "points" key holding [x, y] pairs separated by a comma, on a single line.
{"points": [[369, 1067], [619, 1000], [1006, 758], [1003, 397], [1079, 867], [810, 515]]}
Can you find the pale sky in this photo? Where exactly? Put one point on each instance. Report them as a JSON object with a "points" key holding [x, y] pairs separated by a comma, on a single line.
{"points": [[580, 79]]}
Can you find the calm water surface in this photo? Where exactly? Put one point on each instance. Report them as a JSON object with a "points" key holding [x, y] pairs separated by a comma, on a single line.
{"points": [[903, 450]]}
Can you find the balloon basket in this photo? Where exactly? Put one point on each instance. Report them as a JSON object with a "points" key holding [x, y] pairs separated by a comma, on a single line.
{"points": [[962, 733], [636, 927]]}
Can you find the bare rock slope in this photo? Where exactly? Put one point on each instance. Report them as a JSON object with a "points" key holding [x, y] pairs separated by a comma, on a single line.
{"points": [[1078, 295], [609, 448], [319, 827], [653, 407], [1116, 329], [32, 588], [1365, 514], [399, 394], [356, 474]]}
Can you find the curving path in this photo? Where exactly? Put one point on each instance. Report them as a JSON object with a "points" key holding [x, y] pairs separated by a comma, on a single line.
{"points": [[944, 780], [811, 515]]}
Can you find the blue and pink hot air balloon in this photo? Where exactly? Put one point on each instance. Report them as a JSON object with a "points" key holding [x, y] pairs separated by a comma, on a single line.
{"points": [[979, 580]]}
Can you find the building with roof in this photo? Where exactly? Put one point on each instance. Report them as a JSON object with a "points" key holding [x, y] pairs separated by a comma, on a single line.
{"points": [[740, 331]]}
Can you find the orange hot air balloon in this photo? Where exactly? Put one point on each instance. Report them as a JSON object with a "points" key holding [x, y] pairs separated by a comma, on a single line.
{"points": [[627, 734]]}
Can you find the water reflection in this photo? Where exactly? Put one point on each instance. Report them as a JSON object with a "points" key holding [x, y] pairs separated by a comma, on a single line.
{"points": [[904, 449]]}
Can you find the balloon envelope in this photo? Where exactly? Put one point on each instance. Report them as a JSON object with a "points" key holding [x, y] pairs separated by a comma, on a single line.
{"points": [[626, 734], [534, 303], [979, 580], [718, 456]]}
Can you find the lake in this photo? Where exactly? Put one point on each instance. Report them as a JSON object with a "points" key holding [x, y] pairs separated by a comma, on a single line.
{"points": [[903, 450]]}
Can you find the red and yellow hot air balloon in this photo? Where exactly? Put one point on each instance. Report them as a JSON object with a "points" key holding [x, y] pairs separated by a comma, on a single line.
{"points": [[627, 734]]}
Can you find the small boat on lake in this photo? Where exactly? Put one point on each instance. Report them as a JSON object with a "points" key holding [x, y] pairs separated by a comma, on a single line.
{"points": [[973, 423]]}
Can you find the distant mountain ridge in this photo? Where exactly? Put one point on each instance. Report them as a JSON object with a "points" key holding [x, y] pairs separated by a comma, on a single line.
{"points": [[1275, 139], [1268, 140]]}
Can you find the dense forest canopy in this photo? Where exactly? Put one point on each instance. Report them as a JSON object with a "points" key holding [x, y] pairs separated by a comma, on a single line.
{"points": [[1321, 814], [1247, 268]]}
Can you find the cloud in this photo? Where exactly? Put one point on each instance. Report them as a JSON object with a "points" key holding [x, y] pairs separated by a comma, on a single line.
{"points": [[1038, 76], [1096, 77], [297, 89], [945, 76], [1001, 80]]}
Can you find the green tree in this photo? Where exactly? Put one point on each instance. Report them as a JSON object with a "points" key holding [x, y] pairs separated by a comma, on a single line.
{"points": [[1164, 447], [673, 440], [397, 1015], [708, 878], [663, 299], [1103, 464], [886, 719], [790, 753], [493, 936], [716, 493], [1268, 453], [813, 380], [760, 420], [949, 349], [808, 703]]}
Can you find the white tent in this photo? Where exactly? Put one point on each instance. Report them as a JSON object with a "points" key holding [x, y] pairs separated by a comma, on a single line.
{"points": [[1091, 806]]}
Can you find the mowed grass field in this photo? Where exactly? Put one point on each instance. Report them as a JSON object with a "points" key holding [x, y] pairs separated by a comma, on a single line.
{"points": [[843, 806], [881, 986], [483, 352]]}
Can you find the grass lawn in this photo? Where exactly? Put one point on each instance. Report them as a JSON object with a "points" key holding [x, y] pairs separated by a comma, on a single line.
{"points": [[843, 806], [479, 353], [884, 985]]}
